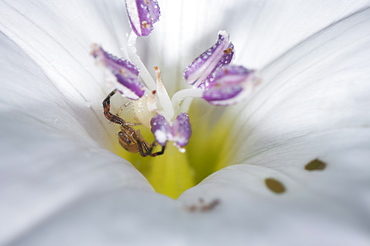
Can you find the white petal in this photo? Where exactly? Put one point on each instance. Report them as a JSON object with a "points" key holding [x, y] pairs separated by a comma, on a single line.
{"points": [[44, 169], [58, 38], [313, 104], [268, 29], [48, 126], [321, 85], [116, 218], [247, 211], [328, 207], [260, 30]]}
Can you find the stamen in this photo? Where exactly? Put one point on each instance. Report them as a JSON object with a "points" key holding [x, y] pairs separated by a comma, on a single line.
{"points": [[199, 72], [221, 83], [144, 73], [142, 15], [161, 129], [125, 72], [164, 100], [179, 132], [179, 96], [231, 85]]}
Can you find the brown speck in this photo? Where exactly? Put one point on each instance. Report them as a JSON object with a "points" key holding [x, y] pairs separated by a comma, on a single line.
{"points": [[275, 185], [210, 206], [202, 206], [154, 92], [228, 50], [315, 165], [123, 72], [192, 208], [145, 24]]}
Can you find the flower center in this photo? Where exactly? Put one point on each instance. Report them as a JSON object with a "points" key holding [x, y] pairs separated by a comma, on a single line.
{"points": [[174, 172], [159, 120], [156, 119]]}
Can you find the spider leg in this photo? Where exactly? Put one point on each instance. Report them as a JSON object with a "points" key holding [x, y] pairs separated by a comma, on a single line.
{"points": [[149, 150], [122, 107], [159, 152], [144, 148], [111, 117], [130, 139]]}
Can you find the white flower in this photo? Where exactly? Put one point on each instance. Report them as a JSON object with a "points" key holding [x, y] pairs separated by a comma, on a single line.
{"points": [[60, 184]]}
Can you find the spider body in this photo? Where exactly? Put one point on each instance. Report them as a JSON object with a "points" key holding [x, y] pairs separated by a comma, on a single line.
{"points": [[129, 138]]}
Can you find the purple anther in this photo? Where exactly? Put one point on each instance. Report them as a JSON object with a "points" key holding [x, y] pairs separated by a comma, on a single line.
{"points": [[114, 63], [231, 85], [130, 85], [142, 15], [179, 132], [199, 72], [125, 72], [160, 128]]}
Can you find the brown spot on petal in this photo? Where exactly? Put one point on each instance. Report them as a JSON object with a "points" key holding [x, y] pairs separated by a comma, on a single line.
{"points": [[315, 165], [192, 208], [202, 206], [210, 206], [228, 50], [275, 185]]}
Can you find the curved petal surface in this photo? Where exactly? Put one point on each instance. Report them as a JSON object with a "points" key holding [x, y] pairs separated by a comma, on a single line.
{"points": [[52, 100], [49, 156]]}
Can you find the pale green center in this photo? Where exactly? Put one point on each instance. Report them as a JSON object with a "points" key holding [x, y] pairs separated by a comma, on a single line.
{"points": [[174, 172]]}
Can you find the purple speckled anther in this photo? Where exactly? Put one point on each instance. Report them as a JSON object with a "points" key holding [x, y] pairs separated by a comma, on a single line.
{"points": [[160, 128], [179, 132], [222, 83], [132, 84], [231, 85], [125, 72], [142, 15], [200, 72]]}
